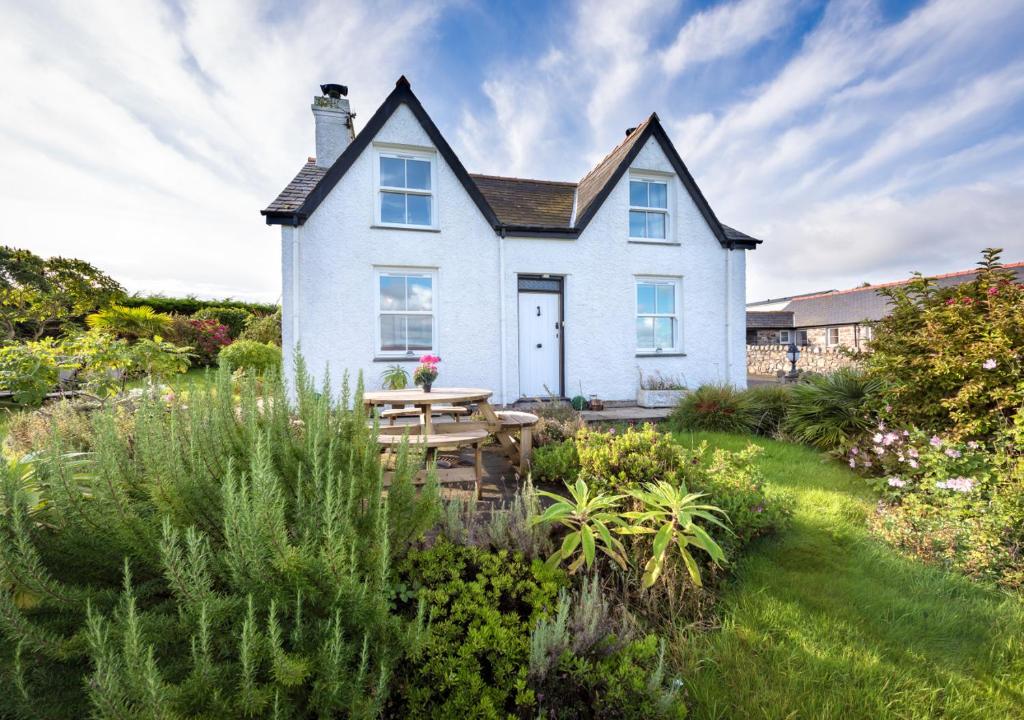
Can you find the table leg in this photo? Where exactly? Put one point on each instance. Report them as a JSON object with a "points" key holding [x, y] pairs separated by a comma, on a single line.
{"points": [[494, 426], [525, 449], [428, 428]]}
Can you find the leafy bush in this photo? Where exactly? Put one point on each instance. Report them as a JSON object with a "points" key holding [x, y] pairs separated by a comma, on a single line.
{"points": [[621, 461], [218, 570], [250, 355], [555, 463], [206, 338], [131, 323], [67, 421], [263, 329], [827, 411], [233, 318], [473, 661], [717, 408], [191, 305], [952, 356], [769, 405], [29, 370]]}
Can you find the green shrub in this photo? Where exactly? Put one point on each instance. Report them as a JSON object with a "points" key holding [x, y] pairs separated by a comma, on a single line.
{"points": [[220, 569], [619, 461], [131, 323], [233, 318], [191, 305], [481, 606], [827, 411], [250, 355], [952, 356], [29, 370], [556, 463], [263, 328], [716, 408], [769, 405]]}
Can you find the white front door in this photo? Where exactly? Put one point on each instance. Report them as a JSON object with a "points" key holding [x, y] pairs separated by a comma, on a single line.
{"points": [[540, 346]]}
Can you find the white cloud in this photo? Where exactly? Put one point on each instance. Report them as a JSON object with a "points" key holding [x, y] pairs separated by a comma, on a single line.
{"points": [[725, 30]]}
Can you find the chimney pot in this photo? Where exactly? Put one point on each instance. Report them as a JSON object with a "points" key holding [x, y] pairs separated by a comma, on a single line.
{"points": [[333, 119]]}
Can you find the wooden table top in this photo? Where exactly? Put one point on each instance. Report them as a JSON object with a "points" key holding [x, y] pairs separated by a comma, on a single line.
{"points": [[418, 397]]}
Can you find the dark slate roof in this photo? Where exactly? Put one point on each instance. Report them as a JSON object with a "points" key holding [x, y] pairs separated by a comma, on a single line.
{"points": [[292, 197], [517, 201], [863, 304], [515, 205], [768, 319]]}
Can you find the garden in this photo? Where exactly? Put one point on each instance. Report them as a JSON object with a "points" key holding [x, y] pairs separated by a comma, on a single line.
{"points": [[846, 546]]}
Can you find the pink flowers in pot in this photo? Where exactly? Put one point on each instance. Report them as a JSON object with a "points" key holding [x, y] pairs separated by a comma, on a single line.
{"points": [[426, 372]]}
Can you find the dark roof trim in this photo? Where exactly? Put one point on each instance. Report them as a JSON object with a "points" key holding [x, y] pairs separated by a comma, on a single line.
{"points": [[401, 94]]}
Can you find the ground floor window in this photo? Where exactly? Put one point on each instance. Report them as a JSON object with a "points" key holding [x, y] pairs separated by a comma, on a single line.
{"points": [[801, 337], [785, 337], [832, 336], [406, 304], [657, 315]]}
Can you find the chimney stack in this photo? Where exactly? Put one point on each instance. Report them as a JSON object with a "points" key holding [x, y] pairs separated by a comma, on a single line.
{"points": [[334, 127]]}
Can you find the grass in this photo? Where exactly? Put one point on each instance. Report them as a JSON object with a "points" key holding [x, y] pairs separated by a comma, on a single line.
{"points": [[826, 622]]}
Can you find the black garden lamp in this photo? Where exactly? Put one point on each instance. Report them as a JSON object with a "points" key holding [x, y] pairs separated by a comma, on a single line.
{"points": [[792, 354]]}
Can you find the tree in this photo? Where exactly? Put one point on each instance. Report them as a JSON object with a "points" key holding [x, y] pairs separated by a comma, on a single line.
{"points": [[38, 295]]}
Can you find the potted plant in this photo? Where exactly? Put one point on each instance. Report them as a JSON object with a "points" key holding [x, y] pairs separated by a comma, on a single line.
{"points": [[426, 372], [395, 377], [659, 391]]}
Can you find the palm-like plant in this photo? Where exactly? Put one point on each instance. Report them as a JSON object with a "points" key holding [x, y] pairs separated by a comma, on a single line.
{"points": [[588, 516], [394, 377], [827, 410], [669, 513], [130, 322]]}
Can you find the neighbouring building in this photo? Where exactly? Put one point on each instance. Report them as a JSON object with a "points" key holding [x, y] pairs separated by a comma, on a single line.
{"points": [[391, 249], [833, 318]]}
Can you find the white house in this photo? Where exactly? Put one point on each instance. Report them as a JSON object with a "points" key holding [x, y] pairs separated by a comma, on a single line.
{"points": [[391, 249]]}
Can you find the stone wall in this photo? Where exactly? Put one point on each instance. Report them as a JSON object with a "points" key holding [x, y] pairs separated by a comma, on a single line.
{"points": [[770, 359]]}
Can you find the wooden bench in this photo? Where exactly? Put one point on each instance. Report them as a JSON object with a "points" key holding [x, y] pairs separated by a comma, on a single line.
{"points": [[432, 443], [454, 410], [523, 422]]}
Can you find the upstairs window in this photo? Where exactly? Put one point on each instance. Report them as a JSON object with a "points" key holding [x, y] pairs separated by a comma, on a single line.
{"points": [[405, 308], [657, 316], [648, 209], [405, 181]]}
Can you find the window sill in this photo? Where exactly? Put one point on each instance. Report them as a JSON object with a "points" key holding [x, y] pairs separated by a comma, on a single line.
{"points": [[413, 228], [401, 358], [660, 354], [631, 241]]}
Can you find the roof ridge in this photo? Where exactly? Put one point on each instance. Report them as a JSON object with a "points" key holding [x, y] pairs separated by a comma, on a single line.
{"points": [[520, 179], [623, 141], [894, 283]]}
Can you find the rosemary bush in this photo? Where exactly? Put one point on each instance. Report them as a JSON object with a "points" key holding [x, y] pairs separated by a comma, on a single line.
{"points": [[228, 558]]}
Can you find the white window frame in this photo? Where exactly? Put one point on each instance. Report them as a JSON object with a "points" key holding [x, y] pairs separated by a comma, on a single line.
{"points": [[405, 153], [378, 312], [677, 289], [651, 177], [801, 338], [785, 337], [828, 337]]}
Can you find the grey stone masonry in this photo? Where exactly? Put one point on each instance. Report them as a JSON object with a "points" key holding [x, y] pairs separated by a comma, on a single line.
{"points": [[770, 359]]}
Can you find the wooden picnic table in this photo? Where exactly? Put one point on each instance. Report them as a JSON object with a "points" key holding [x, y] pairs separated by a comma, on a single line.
{"points": [[424, 401]]}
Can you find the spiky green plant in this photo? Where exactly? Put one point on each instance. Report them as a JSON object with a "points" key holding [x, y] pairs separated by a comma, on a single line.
{"points": [[130, 322], [231, 558], [588, 516], [827, 410], [670, 514]]}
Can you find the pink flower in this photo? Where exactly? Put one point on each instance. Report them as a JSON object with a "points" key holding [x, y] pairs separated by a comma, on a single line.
{"points": [[854, 450], [913, 452], [952, 453], [879, 450], [877, 438], [967, 301], [913, 464], [972, 444], [889, 438], [959, 484], [853, 463], [993, 291], [990, 364], [950, 301], [935, 441], [896, 482]]}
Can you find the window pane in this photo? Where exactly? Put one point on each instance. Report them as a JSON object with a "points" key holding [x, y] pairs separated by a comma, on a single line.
{"points": [[418, 174], [666, 299], [419, 209], [392, 207], [658, 195], [645, 299], [392, 172], [656, 225], [392, 292], [420, 294], [392, 333], [645, 332], [637, 224], [638, 193], [420, 332], [663, 335]]}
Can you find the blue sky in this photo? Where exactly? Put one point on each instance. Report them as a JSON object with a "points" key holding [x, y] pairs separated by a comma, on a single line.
{"points": [[861, 139]]}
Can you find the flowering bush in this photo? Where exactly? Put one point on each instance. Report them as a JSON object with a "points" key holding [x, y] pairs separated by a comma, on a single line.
{"points": [[426, 371], [206, 338], [953, 357]]}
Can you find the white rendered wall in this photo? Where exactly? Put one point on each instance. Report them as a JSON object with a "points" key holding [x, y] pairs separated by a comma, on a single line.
{"points": [[339, 252]]}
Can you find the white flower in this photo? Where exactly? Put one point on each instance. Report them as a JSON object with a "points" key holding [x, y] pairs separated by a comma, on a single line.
{"points": [[896, 482], [990, 364]]}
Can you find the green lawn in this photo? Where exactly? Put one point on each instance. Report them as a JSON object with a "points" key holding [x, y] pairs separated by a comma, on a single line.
{"points": [[825, 622]]}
